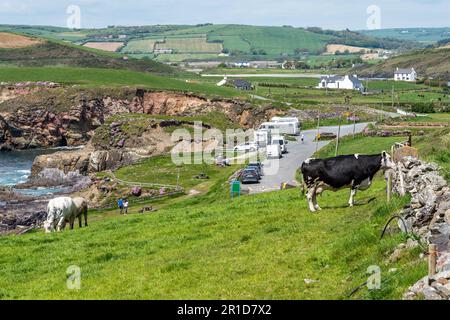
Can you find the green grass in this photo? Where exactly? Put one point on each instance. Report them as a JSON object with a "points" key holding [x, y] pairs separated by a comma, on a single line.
{"points": [[162, 170], [91, 77], [211, 247], [140, 46], [360, 145], [190, 45]]}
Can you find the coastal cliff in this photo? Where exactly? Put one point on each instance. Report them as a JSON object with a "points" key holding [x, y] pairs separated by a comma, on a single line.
{"points": [[55, 117]]}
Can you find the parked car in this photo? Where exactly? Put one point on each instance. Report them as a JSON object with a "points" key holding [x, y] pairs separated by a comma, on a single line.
{"points": [[249, 176], [274, 151], [246, 147], [258, 166]]}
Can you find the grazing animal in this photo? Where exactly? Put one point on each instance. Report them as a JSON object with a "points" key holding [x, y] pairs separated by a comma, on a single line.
{"points": [[82, 207], [62, 210], [353, 171]]}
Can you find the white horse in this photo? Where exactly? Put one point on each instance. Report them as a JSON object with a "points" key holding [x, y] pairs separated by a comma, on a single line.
{"points": [[62, 210]]}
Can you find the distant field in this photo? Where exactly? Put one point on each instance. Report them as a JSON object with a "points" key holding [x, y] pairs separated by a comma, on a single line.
{"points": [[180, 57], [140, 46], [13, 41], [333, 48], [190, 45], [105, 46]]}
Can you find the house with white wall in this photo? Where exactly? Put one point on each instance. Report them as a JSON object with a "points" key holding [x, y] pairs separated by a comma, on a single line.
{"points": [[405, 75], [341, 82]]}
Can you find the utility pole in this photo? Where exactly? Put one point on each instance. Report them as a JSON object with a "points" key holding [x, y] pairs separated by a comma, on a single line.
{"points": [[318, 131], [338, 137], [392, 97]]}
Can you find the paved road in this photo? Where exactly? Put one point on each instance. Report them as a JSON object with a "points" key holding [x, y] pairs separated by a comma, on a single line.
{"points": [[284, 170]]}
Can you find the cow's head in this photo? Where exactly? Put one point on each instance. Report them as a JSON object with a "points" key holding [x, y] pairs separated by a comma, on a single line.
{"points": [[47, 227], [386, 161]]}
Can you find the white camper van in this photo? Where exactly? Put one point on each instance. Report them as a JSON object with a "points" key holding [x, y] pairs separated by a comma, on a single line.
{"points": [[282, 142], [274, 151], [290, 128]]}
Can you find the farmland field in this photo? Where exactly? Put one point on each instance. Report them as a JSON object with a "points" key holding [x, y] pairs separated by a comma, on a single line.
{"points": [[141, 46], [190, 45], [180, 57], [333, 48], [105, 46], [13, 41]]}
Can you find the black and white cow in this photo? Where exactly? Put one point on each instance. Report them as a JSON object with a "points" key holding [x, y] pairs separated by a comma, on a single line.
{"points": [[353, 171]]}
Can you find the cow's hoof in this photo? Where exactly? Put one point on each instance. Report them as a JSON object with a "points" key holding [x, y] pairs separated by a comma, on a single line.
{"points": [[318, 208]]}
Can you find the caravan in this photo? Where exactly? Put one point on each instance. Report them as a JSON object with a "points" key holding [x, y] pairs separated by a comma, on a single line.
{"points": [[263, 138], [289, 128]]}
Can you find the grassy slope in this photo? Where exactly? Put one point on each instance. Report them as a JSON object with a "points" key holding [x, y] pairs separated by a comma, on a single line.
{"points": [[92, 77], [429, 62], [428, 35], [262, 246]]}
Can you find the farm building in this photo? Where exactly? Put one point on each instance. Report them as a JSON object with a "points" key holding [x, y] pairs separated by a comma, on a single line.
{"points": [[341, 82], [405, 75], [242, 85]]}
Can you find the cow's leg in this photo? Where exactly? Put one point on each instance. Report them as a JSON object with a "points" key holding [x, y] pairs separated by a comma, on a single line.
{"points": [[80, 218], [351, 202], [86, 217], [309, 195], [61, 224], [316, 206]]}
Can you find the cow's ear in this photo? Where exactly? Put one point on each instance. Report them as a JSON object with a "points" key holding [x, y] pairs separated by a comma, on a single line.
{"points": [[384, 154]]}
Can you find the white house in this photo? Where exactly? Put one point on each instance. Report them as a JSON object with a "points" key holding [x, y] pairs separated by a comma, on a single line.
{"points": [[341, 82], [405, 75]]}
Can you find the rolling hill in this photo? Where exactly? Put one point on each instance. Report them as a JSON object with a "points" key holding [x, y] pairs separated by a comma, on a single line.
{"points": [[18, 50], [239, 41], [428, 63], [425, 35]]}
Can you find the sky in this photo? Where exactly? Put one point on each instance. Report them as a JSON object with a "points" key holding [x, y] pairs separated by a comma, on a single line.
{"points": [[329, 14]]}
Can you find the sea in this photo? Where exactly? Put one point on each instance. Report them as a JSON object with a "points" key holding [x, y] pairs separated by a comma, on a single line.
{"points": [[15, 168]]}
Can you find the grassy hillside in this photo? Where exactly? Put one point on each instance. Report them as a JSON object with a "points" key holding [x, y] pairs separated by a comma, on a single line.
{"points": [[428, 62], [52, 53], [92, 77], [426, 35], [208, 247]]}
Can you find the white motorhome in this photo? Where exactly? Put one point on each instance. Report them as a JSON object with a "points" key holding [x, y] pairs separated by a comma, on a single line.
{"points": [[281, 141], [263, 137], [290, 128]]}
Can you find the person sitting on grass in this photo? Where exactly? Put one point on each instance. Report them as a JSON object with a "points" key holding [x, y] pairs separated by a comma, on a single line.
{"points": [[120, 205]]}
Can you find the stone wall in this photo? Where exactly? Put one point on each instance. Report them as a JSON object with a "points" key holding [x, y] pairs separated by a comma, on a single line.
{"points": [[428, 216]]}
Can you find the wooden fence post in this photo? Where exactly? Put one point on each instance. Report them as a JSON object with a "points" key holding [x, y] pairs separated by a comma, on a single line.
{"points": [[432, 261], [389, 186]]}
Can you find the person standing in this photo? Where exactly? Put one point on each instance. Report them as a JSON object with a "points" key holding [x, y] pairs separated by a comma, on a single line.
{"points": [[120, 205], [125, 206]]}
